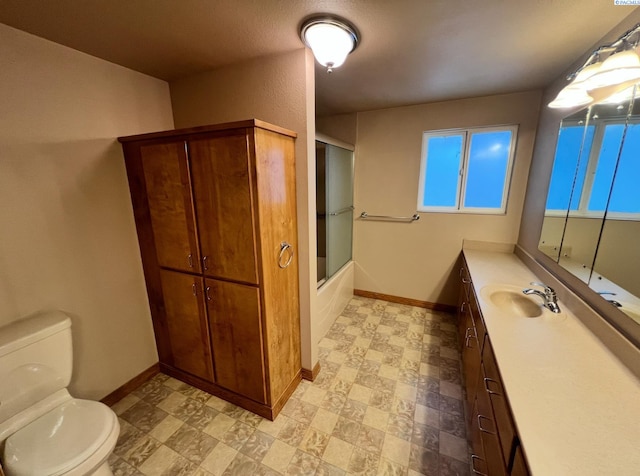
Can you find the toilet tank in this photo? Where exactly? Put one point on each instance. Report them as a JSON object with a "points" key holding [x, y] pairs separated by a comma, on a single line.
{"points": [[35, 360]]}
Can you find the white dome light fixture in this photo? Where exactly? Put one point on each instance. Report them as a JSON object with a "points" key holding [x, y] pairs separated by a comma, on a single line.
{"points": [[330, 38]]}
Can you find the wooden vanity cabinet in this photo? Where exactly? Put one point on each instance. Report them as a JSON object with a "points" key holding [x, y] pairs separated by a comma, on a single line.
{"points": [[215, 213], [494, 440], [470, 343]]}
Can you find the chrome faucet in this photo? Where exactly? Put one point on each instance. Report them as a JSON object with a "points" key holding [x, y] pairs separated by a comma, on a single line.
{"points": [[549, 296]]}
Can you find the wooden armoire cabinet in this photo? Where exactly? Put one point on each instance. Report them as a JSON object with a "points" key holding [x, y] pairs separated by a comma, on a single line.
{"points": [[215, 212]]}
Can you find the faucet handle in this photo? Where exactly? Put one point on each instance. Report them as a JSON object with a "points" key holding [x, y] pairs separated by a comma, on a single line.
{"points": [[547, 289]]}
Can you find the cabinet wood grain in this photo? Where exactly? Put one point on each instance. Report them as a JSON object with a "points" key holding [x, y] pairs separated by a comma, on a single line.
{"points": [[234, 314], [187, 323], [166, 174], [223, 197]]}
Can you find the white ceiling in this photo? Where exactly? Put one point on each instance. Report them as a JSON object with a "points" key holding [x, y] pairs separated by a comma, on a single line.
{"points": [[411, 51]]}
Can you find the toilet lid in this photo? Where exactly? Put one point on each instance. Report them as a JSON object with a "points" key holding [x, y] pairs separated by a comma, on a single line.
{"points": [[59, 440]]}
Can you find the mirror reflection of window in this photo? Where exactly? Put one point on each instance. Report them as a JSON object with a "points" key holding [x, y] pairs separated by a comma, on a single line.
{"points": [[625, 196], [567, 166], [592, 215]]}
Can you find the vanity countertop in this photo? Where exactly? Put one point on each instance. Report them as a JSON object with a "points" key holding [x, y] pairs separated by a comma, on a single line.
{"points": [[575, 405]]}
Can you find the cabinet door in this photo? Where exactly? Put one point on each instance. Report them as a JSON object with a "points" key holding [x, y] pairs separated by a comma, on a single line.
{"points": [[166, 175], [187, 323], [222, 189], [488, 430], [470, 358], [463, 303], [236, 334], [493, 385], [478, 460]]}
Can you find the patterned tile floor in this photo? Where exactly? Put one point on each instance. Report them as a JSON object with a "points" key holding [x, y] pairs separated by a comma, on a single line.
{"points": [[387, 401]]}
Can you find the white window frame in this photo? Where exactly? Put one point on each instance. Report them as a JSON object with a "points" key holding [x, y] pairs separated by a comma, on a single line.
{"points": [[466, 134], [587, 186]]}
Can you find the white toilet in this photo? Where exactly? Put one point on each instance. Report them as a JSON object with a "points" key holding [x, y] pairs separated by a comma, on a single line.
{"points": [[44, 431]]}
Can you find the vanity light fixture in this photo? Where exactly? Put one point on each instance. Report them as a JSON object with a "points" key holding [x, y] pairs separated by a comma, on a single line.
{"points": [[597, 79], [331, 39], [620, 97]]}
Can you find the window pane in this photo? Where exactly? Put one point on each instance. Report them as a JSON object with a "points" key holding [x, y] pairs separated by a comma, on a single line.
{"points": [[487, 169], [581, 173], [567, 166], [611, 141], [625, 197], [442, 171]]}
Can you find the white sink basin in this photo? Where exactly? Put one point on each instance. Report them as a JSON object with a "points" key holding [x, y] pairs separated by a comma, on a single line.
{"points": [[510, 300]]}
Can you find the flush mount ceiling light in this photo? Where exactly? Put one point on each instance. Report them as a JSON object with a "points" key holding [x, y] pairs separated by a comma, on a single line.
{"points": [[330, 38], [595, 78]]}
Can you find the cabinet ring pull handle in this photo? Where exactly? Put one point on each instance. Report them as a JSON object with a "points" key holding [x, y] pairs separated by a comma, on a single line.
{"points": [[284, 246]]}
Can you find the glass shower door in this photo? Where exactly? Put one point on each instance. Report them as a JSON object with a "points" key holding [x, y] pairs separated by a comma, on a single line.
{"points": [[339, 207]]}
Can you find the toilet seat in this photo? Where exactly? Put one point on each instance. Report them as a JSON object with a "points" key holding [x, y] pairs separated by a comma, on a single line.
{"points": [[70, 439]]}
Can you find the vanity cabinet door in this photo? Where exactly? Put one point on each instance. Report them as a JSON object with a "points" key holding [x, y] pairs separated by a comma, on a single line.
{"points": [[476, 318], [236, 330], [470, 359], [488, 430], [186, 323], [478, 460], [463, 302], [494, 388], [168, 195]]}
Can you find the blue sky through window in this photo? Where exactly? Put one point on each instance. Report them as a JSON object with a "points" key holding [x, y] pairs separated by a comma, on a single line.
{"points": [[625, 196], [607, 158], [442, 171], [566, 162], [487, 169]]}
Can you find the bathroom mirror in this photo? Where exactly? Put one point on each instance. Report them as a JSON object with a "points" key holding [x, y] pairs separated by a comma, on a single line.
{"points": [[573, 133], [592, 212], [617, 262]]}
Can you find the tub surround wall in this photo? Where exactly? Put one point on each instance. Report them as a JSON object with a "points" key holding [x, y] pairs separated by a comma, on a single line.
{"points": [[418, 260], [278, 89], [333, 297], [68, 238], [536, 195]]}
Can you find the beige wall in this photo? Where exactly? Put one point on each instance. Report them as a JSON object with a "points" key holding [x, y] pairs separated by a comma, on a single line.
{"points": [[343, 127], [278, 89], [618, 256], [417, 260], [68, 239], [536, 196]]}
